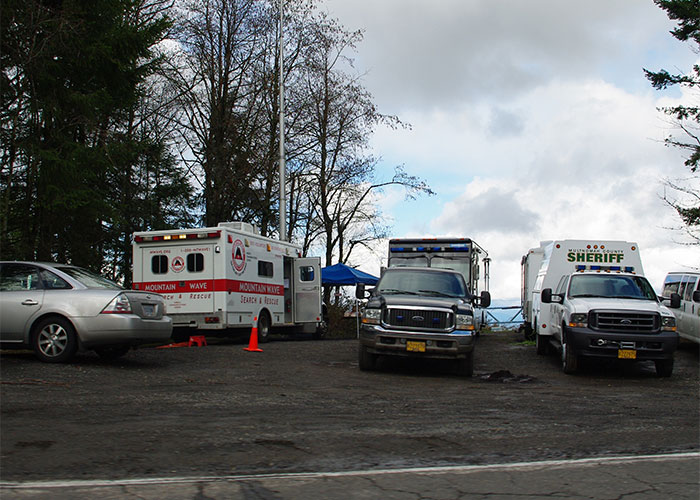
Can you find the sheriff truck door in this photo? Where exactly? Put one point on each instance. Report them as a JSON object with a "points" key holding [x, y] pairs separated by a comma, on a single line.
{"points": [[307, 289]]}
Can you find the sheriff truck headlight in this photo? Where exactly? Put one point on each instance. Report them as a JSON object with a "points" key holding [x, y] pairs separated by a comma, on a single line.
{"points": [[668, 323], [578, 320], [371, 316], [465, 322]]}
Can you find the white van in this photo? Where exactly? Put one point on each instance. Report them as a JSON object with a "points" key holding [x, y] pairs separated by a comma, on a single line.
{"points": [[687, 285]]}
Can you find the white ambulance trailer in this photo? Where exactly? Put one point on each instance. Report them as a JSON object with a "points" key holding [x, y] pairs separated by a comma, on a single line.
{"points": [[219, 279], [530, 267]]}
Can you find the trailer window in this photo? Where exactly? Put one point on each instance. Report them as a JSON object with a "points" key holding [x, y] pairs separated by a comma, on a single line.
{"points": [[159, 264], [265, 269], [306, 273], [195, 262]]}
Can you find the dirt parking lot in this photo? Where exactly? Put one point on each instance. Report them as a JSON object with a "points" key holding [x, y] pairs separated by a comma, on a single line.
{"points": [[303, 405]]}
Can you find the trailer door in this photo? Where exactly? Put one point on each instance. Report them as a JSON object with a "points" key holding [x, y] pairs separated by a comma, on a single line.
{"points": [[307, 290], [183, 274]]}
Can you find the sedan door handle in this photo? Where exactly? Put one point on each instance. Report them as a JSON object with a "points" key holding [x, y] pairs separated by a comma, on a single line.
{"points": [[30, 302]]}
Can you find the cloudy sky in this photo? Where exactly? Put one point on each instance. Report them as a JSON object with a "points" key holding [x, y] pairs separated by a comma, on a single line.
{"points": [[532, 120]]}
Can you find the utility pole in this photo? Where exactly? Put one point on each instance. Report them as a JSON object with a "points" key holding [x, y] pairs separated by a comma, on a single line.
{"points": [[282, 164]]}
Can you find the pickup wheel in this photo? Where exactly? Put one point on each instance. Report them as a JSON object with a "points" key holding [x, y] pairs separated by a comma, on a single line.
{"points": [[664, 367], [365, 359], [465, 367], [569, 359]]}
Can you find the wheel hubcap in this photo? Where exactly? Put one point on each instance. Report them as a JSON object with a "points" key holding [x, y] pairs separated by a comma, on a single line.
{"points": [[53, 340]]}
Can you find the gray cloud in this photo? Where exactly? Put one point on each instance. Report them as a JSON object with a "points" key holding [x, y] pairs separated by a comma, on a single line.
{"points": [[425, 53], [496, 210]]}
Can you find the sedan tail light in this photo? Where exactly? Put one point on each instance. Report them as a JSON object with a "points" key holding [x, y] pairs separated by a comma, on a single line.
{"points": [[119, 305]]}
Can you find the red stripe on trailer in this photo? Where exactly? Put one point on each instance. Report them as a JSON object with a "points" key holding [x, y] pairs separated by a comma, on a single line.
{"points": [[219, 285]]}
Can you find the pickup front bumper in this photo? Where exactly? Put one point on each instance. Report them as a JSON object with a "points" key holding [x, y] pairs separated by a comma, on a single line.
{"points": [[646, 346], [454, 345]]}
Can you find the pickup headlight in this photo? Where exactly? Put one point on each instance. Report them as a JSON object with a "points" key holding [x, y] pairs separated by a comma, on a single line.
{"points": [[371, 316], [668, 323], [578, 320], [465, 322]]}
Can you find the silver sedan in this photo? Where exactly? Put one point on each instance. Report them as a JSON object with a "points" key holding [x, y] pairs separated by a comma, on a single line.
{"points": [[56, 309]]}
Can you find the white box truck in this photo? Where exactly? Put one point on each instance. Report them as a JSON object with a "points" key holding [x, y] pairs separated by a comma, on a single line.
{"points": [[591, 299], [219, 279], [459, 254]]}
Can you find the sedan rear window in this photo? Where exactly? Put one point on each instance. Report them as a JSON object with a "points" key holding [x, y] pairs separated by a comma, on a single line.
{"points": [[89, 279]]}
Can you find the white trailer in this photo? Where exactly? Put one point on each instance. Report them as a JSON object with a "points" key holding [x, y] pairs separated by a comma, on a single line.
{"points": [[530, 267], [459, 254], [220, 279]]}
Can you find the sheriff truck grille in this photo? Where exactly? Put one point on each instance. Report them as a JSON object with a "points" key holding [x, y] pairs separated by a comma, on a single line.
{"points": [[419, 319], [623, 322]]}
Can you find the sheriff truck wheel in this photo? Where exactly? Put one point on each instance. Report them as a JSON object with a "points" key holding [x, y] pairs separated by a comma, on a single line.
{"points": [[569, 359]]}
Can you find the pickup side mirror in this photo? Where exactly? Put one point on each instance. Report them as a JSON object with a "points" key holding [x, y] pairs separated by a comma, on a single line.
{"points": [[360, 291], [675, 301], [547, 296], [485, 299], [696, 296]]}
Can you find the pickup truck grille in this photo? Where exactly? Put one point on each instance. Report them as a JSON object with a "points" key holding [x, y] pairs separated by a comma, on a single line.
{"points": [[419, 319], [623, 322]]}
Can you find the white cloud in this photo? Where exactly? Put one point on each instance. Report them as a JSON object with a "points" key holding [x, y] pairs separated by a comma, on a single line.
{"points": [[532, 120]]}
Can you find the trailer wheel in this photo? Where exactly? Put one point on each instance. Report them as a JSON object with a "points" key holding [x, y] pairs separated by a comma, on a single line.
{"points": [[264, 327], [541, 342]]}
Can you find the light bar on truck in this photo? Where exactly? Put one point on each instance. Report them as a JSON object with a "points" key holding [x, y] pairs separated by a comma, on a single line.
{"points": [[179, 236], [450, 248], [619, 269]]}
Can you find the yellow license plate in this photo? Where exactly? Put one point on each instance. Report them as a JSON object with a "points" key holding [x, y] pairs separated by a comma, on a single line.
{"points": [[414, 346], [626, 354]]}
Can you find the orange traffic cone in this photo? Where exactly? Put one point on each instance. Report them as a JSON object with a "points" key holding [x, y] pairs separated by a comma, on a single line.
{"points": [[253, 343]]}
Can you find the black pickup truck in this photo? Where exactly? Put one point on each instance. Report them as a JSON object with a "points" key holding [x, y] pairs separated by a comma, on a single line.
{"points": [[420, 312]]}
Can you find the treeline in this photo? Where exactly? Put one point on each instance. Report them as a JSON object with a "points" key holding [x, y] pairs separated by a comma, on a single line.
{"points": [[127, 115]]}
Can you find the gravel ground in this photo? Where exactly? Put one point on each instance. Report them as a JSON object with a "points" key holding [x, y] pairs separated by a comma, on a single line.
{"points": [[303, 405]]}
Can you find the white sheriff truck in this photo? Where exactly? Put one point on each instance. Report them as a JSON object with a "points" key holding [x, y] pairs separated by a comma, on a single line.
{"points": [[219, 279], [590, 298]]}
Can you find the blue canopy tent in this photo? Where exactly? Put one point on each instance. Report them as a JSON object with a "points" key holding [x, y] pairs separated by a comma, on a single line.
{"points": [[340, 274]]}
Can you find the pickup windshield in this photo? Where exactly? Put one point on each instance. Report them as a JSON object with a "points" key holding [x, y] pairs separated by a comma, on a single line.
{"points": [[611, 286], [408, 281]]}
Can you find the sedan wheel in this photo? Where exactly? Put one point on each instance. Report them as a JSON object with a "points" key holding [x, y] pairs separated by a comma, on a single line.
{"points": [[54, 340]]}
